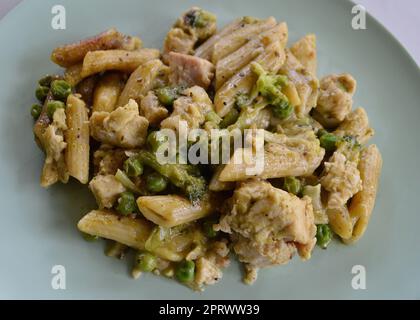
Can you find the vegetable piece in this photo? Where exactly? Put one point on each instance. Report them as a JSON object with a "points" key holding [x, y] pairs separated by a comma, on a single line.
{"points": [[133, 167], [46, 80], [230, 118], [126, 182], [323, 235], [126, 203], [208, 228], [199, 18], [155, 140], [328, 140], [41, 93], [145, 261], [179, 175], [60, 89], [185, 271], [270, 86], [36, 111], [52, 106], [167, 95], [212, 116], [155, 182], [89, 237], [292, 185]]}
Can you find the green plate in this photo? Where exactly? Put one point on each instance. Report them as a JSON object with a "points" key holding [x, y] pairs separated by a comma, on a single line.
{"points": [[38, 227]]}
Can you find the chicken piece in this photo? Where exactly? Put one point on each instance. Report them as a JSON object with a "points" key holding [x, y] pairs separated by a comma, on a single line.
{"points": [[335, 99], [305, 51], [192, 107], [341, 179], [152, 110], [197, 22], [206, 272], [177, 40], [123, 127], [284, 156], [268, 225], [107, 160], [305, 82], [356, 125], [187, 70], [106, 190], [52, 141]]}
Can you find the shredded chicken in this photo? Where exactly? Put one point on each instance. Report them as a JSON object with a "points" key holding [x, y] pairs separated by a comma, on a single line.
{"points": [[356, 125], [107, 160], [106, 190], [177, 40], [268, 225], [53, 143], [206, 272], [335, 99], [152, 110], [341, 178], [123, 127], [192, 107]]}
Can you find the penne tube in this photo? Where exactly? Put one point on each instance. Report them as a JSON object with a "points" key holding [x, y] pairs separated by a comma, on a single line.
{"points": [[77, 138], [71, 54], [172, 210], [141, 81], [121, 60], [361, 206], [107, 92], [73, 74], [132, 232], [340, 221], [231, 42], [235, 61], [243, 81]]}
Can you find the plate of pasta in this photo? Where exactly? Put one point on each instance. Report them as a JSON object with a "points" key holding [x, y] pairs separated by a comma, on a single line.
{"points": [[207, 150]]}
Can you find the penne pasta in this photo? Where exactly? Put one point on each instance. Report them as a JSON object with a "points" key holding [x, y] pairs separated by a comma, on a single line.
{"points": [[121, 60], [243, 81], [172, 210], [340, 221], [109, 225], [107, 92], [141, 81], [235, 61], [77, 138], [73, 74], [239, 37], [71, 54], [362, 204]]}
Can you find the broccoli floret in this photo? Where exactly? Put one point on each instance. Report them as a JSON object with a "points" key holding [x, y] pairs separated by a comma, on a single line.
{"points": [[269, 86], [181, 176]]}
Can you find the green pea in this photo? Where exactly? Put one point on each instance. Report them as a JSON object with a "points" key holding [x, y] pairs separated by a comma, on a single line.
{"points": [[60, 89], [185, 271], [155, 182], [155, 140], [36, 110], [133, 167], [167, 95], [41, 93], [323, 235], [46, 81], [292, 185], [328, 141], [230, 118], [208, 229], [52, 106], [146, 261], [89, 237], [126, 203]]}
